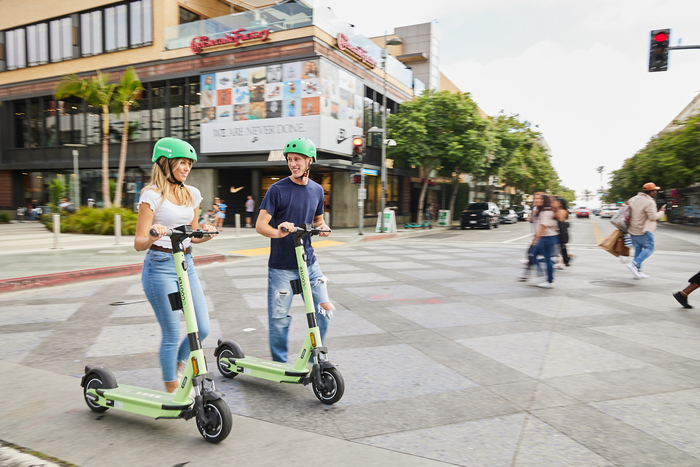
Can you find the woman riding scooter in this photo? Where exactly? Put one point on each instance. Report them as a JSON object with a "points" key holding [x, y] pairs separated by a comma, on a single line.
{"points": [[167, 203]]}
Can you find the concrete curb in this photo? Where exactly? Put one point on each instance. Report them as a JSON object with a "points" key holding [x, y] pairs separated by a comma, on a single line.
{"points": [[44, 280]]}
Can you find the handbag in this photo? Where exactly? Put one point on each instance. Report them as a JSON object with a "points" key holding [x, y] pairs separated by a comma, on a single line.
{"points": [[620, 248], [610, 244], [621, 219]]}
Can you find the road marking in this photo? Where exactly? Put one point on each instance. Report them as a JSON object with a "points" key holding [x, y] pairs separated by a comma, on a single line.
{"points": [[596, 231], [266, 250], [518, 238]]}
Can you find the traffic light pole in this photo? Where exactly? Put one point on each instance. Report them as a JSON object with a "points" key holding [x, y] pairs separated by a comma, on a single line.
{"points": [[361, 199]]}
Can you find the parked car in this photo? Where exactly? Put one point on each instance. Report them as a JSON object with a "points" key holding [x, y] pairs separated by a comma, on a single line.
{"points": [[583, 212], [508, 216], [607, 213], [523, 212], [480, 215]]}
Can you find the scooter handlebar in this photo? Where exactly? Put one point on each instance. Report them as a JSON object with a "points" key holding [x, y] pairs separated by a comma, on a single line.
{"points": [[195, 233], [302, 229]]}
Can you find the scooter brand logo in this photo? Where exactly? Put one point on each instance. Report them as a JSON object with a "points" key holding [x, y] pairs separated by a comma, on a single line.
{"points": [[182, 291], [302, 276]]}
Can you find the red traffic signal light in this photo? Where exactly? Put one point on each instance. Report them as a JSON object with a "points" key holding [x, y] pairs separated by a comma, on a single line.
{"points": [[658, 49], [358, 147], [356, 178]]}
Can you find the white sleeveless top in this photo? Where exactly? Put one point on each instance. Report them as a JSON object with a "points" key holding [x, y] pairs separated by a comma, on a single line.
{"points": [[169, 214]]}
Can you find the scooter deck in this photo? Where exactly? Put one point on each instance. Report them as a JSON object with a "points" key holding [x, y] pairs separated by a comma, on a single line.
{"points": [[266, 369], [143, 401]]}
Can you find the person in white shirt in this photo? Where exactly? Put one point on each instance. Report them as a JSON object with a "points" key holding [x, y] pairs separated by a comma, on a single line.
{"points": [[167, 203]]}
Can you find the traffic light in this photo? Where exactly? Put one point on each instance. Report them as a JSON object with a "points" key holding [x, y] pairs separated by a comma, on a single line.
{"points": [[658, 50], [356, 178], [358, 148]]}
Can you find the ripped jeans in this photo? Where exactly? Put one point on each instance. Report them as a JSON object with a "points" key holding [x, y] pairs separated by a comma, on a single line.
{"points": [[279, 301]]}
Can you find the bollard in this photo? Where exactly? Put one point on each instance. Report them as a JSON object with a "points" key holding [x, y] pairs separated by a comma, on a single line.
{"points": [[56, 231], [238, 225], [117, 229]]}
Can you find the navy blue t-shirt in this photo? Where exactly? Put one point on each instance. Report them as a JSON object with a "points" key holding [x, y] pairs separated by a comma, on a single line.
{"points": [[288, 202]]}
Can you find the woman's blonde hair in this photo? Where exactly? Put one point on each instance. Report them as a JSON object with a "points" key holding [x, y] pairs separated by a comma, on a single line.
{"points": [[161, 185]]}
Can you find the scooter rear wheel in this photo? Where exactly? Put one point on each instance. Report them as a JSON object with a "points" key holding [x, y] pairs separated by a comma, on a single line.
{"points": [[225, 353], [334, 386], [93, 382], [222, 421]]}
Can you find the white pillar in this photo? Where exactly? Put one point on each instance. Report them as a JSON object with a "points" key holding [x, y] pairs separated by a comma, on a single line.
{"points": [[117, 229], [56, 231], [238, 225]]}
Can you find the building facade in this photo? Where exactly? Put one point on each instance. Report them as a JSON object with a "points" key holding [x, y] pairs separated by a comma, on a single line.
{"points": [[236, 81]]}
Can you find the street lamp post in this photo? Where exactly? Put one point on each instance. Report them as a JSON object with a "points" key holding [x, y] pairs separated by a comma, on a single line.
{"points": [[382, 205], [76, 173]]}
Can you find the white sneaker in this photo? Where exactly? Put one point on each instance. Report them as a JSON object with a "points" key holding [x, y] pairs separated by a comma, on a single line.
{"points": [[642, 275], [634, 269], [559, 266], [545, 285]]}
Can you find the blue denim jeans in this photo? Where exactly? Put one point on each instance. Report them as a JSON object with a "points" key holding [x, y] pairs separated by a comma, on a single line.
{"points": [[279, 301], [643, 247], [159, 279], [544, 247]]}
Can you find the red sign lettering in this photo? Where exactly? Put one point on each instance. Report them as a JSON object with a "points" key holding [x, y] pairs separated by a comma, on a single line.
{"points": [[357, 51], [231, 37]]}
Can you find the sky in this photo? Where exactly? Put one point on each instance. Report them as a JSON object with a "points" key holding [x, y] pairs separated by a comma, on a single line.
{"points": [[578, 69]]}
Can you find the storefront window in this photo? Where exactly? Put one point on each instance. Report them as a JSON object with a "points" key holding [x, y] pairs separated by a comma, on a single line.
{"points": [[36, 123], [94, 125], [195, 110], [157, 111], [70, 121], [21, 140], [139, 119], [177, 109], [50, 121]]}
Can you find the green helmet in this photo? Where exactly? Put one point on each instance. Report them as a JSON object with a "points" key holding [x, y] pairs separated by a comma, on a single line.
{"points": [[173, 148], [303, 146]]}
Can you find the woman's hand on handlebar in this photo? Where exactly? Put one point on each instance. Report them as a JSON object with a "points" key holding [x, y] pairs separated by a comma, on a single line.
{"points": [[208, 228], [284, 229], [159, 229]]}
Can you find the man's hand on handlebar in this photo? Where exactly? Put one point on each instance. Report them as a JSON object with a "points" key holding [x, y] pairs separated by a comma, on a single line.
{"points": [[284, 229], [323, 227]]}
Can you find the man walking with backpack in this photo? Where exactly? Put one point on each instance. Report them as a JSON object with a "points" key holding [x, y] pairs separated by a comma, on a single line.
{"points": [[643, 217]]}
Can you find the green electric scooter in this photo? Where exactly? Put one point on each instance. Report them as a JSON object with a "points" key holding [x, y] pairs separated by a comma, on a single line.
{"points": [[213, 415], [326, 380]]}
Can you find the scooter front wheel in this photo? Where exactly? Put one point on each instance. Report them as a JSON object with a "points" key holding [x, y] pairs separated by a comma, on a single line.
{"points": [[221, 421], [93, 382], [333, 386]]}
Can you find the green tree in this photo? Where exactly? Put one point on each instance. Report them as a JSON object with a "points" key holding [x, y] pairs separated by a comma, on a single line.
{"points": [[439, 129], [587, 195], [57, 190], [125, 95], [521, 161], [671, 160], [97, 92]]}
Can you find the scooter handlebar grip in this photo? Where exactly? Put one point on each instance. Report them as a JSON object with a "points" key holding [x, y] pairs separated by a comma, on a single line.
{"points": [[153, 233]]}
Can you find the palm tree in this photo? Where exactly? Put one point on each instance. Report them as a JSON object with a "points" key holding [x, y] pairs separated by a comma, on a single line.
{"points": [[97, 92], [128, 90], [600, 170], [587, 195]]}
